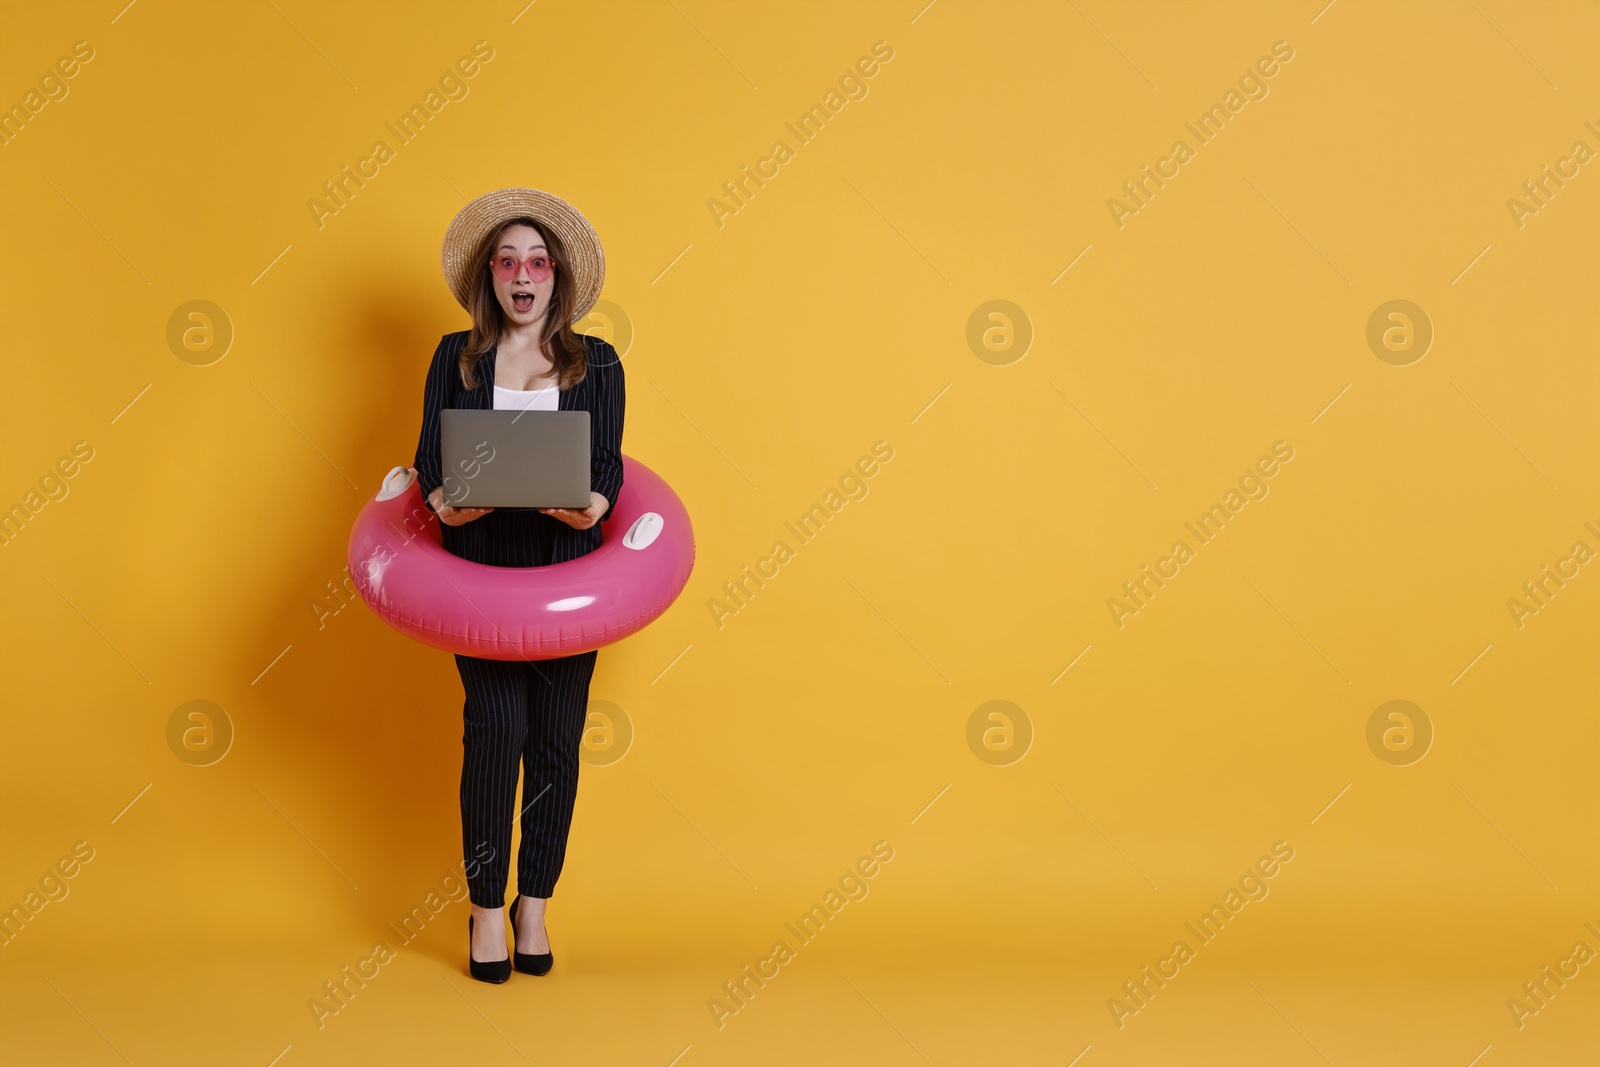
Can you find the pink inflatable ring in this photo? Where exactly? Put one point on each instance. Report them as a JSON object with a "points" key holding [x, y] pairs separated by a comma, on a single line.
{"points": [[400, 566]]}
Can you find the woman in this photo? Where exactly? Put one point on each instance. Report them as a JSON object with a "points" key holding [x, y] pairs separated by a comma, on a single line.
{"points": [[525, 265]]}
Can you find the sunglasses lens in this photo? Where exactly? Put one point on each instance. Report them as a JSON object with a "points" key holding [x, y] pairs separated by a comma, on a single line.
{"points": [[506, 267]]}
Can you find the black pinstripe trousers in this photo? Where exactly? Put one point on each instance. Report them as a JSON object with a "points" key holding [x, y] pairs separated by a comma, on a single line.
{"points": [[520, 712], [532, 713]]}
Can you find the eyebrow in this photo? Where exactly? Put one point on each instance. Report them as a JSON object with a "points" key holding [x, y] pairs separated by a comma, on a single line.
{"points": [[514, 247]]}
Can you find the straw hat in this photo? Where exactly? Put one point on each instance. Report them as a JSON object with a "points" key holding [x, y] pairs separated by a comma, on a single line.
{"points": [[489, 212]]}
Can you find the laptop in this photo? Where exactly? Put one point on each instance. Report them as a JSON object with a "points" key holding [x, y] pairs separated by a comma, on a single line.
{"points": [[514, 459]]}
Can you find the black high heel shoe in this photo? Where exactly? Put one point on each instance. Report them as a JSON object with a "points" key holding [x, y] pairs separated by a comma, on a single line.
{"points": [[528, 962], [495, 971]]}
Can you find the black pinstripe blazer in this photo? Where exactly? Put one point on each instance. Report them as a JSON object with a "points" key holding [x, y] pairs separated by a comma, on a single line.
{"points": [[525, 538]]}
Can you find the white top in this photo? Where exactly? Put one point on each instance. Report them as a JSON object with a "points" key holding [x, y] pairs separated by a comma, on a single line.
{"points": [[546, 399]]}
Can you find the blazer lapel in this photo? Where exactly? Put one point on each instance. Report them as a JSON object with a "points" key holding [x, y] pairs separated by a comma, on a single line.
{"points": [[483, 395], [567, 400]]}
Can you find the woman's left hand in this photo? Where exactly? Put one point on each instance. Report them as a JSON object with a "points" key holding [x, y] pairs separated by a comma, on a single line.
{"points": [[581, 518]]}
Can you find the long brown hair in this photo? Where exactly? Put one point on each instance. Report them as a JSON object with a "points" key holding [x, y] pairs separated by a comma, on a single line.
{"points": [[566, 351]]}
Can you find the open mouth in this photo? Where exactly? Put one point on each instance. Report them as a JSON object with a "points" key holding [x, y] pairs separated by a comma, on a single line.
{"points": [[522, 301]]}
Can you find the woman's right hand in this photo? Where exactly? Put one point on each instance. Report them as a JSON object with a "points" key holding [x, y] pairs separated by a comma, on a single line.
{"points": [[454, 516]]}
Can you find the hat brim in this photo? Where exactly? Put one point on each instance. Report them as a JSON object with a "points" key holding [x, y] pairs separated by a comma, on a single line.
{"points": [[585, 259]]}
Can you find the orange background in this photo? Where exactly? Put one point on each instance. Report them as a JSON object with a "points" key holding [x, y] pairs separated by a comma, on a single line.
{"points": [[1040, 859]]}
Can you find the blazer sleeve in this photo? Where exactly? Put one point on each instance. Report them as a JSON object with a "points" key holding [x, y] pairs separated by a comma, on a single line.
{"points": [[610, 400], [435, 395]]}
